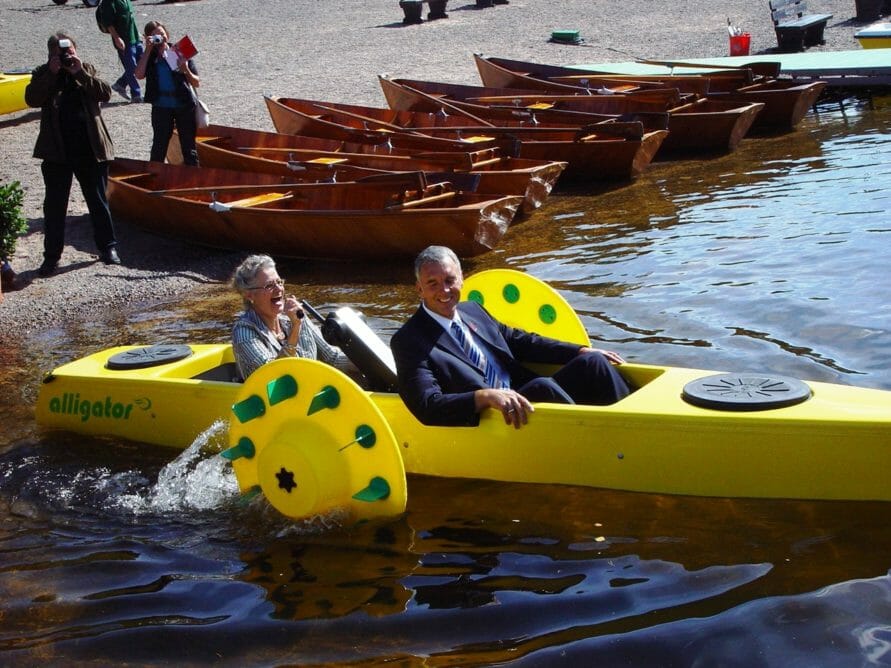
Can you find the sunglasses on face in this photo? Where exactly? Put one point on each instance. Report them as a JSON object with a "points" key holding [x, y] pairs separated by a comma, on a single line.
{"points": [[270, 286]]}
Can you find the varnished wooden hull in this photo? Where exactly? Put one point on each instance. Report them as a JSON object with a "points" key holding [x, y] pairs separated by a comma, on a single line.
{"points": [[318, 160], [591, 154], [785, 102], [266, 213], [699, 125], [709, 125], [498, 104]]}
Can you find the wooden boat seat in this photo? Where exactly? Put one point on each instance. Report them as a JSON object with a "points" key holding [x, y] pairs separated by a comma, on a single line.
{"points": [[324, 161], [423, 201], [484, 163], [257, 200], [134, 177]]}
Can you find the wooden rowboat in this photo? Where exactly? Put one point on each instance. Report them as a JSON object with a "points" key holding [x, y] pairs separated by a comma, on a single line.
{"points": [[594, 153], [313, 159], [393, 216], [497, 104], [697, 125], [785, 101]]}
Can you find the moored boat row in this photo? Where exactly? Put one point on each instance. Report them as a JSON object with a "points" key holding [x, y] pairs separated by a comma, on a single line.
{"points": [[491, 152]]}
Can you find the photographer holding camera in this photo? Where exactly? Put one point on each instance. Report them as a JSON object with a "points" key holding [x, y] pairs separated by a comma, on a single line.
{"points": [[73, 142], [170, 83]]}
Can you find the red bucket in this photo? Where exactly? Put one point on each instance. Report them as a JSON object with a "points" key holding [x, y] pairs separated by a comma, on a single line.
{"points": [[739, 44]]}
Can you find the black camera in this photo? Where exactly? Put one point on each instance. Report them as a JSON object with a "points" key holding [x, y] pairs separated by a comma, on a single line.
{"points": [[64, 53]]}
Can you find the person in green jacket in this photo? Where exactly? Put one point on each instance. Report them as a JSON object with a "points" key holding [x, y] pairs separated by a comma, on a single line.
{"points": [[118, 18], [73, 141]]}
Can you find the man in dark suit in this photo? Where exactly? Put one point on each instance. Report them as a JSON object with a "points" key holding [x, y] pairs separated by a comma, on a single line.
{"points": [[454, 360]]}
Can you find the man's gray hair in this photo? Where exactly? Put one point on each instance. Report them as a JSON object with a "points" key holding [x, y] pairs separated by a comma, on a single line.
{"points": [[435, 255]]}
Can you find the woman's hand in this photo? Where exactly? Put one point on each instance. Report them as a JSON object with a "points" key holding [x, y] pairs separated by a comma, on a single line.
{"points": [[292, 310]]}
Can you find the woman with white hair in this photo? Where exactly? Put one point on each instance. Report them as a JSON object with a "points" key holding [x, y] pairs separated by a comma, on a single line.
{"points": [[272, 323]]}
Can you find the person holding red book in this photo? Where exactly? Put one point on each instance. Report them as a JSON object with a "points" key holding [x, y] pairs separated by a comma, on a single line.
{"points": [[170, 83]]}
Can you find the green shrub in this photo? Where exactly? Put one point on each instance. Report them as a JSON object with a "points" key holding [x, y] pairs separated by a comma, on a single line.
{"points": [[12, 222]]}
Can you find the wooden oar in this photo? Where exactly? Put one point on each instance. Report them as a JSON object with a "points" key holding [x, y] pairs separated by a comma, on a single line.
{"points": [[368, 119], [766, 68], [197, 190], [441, 101]]}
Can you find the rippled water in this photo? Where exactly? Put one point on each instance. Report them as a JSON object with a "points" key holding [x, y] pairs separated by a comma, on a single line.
{"points": [[774, 257]]}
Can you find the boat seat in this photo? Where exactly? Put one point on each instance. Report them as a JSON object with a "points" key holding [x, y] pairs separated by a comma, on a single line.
{"points": [[134, 177], [226, 373], [423, 201], [257, 200], [484, 163]]}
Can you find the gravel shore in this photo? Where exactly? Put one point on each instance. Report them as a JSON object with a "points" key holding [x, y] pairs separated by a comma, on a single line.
{"points": [[312, 49]]}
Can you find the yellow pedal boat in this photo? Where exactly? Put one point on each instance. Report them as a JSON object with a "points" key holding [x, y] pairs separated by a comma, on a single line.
{"points": [[834, 445], [294, 424]]}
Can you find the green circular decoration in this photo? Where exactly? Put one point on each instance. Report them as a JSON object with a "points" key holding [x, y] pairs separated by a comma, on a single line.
{"points": [[476, 296], [365, 436], [547, 314], [511, 293]]}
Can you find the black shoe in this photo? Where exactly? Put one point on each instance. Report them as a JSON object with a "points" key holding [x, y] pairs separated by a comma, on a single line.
{"points": [[110, 256], [48, 268]]}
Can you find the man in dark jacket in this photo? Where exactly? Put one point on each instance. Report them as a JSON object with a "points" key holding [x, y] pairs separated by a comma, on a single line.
{"points": [[453, 359], [73, 142]]}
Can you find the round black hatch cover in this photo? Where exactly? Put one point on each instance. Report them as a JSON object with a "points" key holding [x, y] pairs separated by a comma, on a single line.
{"points": [[148, 356], [745, 392]]}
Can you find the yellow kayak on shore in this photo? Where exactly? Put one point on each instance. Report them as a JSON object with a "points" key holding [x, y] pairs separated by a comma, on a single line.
{"points": [[12, 92]]}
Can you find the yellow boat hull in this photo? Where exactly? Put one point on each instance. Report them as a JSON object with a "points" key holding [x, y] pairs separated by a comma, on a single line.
{"points": [[834, 445], [12, 92], [875, 36]]}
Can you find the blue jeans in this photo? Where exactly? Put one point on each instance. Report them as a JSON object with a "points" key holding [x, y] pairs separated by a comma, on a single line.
{"points": [[129, 57]]}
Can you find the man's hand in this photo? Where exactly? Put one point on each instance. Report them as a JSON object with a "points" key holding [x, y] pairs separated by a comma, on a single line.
{"points": [[513, 406], [613, 357]]}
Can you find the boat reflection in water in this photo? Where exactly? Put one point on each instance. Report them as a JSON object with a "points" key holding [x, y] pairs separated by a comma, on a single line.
{"points": [[771, 257]]}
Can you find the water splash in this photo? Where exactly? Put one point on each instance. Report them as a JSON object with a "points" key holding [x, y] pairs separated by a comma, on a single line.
{"points": [[198, 479]]}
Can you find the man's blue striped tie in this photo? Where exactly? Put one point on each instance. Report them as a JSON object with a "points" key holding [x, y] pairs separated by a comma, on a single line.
{"points": [[476, 356]]}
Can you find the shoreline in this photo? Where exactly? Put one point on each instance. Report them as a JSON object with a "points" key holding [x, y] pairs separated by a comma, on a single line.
{"points": [[301, 49]]}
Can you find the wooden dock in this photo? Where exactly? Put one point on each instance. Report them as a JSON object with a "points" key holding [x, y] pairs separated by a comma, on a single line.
{"points": [[860, 68]]}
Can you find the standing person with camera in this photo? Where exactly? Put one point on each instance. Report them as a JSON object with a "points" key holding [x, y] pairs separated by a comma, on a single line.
{"points": [[170, 83], [73, 141], [116, 17]]}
